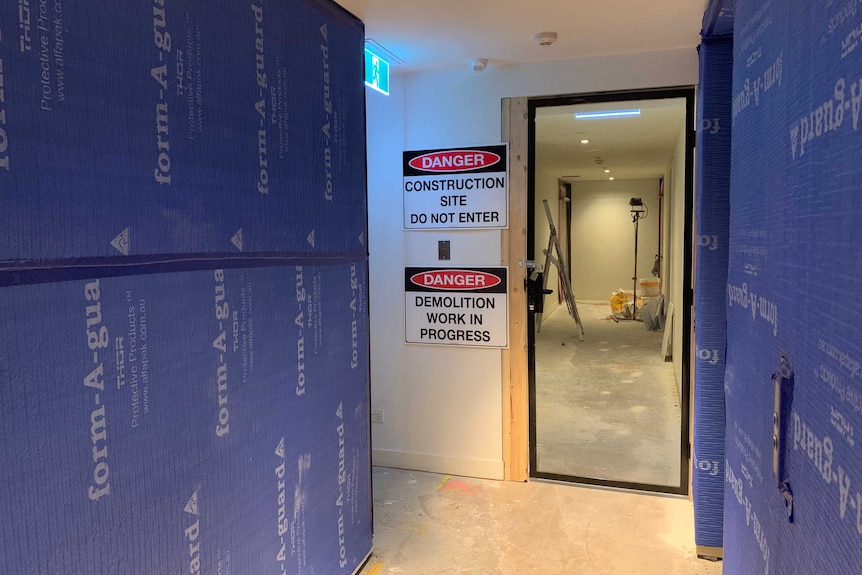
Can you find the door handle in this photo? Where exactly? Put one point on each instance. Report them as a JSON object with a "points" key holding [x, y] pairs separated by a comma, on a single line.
{"points": [[536, 292], [782, 381]]}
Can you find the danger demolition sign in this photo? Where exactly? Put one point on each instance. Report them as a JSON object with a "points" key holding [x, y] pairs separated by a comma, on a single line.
{"points": [[457, 306], [458, 188]]}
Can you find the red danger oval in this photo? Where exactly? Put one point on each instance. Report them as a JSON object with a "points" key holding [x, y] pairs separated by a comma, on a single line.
{"points": [[455, 279], [454, 161]]}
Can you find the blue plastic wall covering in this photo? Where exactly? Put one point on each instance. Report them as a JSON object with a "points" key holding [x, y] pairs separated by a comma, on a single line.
{"points": [[713, 227], [175, 127], [174, 397], [202, 422], [793, 497]]}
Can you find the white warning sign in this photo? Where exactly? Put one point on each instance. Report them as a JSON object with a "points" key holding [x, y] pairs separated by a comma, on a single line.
{"points": [[457, 306], [461, 188]]}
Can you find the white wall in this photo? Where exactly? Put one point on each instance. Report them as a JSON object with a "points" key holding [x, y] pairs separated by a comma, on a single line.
{"points": [[424, 426], [385, 137], [675, 202], [442, 405], [603, 236]]}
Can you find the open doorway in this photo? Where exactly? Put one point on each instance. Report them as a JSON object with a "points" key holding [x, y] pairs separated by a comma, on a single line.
{"points": [[609, 379]]}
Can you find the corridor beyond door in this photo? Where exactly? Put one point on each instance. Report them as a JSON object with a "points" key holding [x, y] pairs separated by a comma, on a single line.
{"points": [[609, 398]]}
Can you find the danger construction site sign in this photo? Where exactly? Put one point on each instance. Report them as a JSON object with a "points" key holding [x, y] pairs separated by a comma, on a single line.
{"points": [[457, 306], [457, 188]]}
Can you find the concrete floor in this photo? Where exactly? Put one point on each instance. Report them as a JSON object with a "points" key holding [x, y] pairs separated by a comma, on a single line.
{"points": [[430, 524], [607, 407]]}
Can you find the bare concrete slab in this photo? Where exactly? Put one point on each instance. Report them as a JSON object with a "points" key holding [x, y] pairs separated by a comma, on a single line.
{"points": [[430, 524], [606, 407]]}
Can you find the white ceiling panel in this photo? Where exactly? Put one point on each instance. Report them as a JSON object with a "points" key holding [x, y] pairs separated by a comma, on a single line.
{"points": [[435, 34]]}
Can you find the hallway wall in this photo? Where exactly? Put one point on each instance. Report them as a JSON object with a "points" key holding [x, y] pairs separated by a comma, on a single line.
{"points": [[603, 236], [794, 316], [443, 407], [675, 249], [712, 207]]}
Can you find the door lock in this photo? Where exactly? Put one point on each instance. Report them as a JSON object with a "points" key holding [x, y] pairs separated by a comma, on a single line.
{"points": [[534, 284]]}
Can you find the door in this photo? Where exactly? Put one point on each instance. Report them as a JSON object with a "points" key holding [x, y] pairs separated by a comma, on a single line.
{"points": [[606, 407], [564, 216]]}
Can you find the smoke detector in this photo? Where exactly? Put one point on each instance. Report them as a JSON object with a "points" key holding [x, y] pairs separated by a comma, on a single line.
{"points": [[545, 38], [479, 64]]}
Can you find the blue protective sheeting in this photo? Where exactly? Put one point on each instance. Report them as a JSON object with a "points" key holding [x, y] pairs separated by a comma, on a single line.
{"points": [[177, 127], [794, 279], [203, 422], [173, 397], [713, 214]]}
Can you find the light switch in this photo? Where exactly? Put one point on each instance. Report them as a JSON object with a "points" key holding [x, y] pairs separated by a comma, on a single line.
{"points": [[443, 250]]}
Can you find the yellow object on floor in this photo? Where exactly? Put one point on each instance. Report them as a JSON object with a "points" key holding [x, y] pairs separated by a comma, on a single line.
{"points": [[620, 298]]}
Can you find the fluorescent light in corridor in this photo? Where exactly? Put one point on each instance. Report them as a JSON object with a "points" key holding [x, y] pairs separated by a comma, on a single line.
{"points": [[606, 114]]}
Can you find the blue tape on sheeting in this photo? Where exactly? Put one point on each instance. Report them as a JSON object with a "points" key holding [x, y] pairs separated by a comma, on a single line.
{"points": [[29, 272], [713, 215], [180, 127], [794, 279], [200, 422]]}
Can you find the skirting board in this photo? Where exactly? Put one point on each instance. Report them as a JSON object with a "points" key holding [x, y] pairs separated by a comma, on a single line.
{"points": [[711, 553], [479, 468]]}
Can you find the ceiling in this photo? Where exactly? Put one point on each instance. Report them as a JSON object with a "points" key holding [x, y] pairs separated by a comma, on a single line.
{"points": [[437, 34], [630, 147], [448, 34]]}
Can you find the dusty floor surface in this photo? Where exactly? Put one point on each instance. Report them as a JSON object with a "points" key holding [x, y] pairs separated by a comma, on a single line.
{"points": [[606, 407], [430, 524]]}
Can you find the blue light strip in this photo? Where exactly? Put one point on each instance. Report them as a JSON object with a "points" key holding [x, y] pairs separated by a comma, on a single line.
{"points": [[607, 114]]}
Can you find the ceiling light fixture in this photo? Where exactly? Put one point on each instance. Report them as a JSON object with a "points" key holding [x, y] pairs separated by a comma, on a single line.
{"points": [[607, 114], [585, 141], [479, 64], [611, 178], [607, 170], [545, 38]]}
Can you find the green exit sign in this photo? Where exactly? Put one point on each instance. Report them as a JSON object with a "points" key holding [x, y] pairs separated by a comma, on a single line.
{"points": [[376, 72]]}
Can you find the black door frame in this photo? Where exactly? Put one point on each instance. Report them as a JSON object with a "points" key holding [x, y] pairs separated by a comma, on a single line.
{"points": [[688, 93]]}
